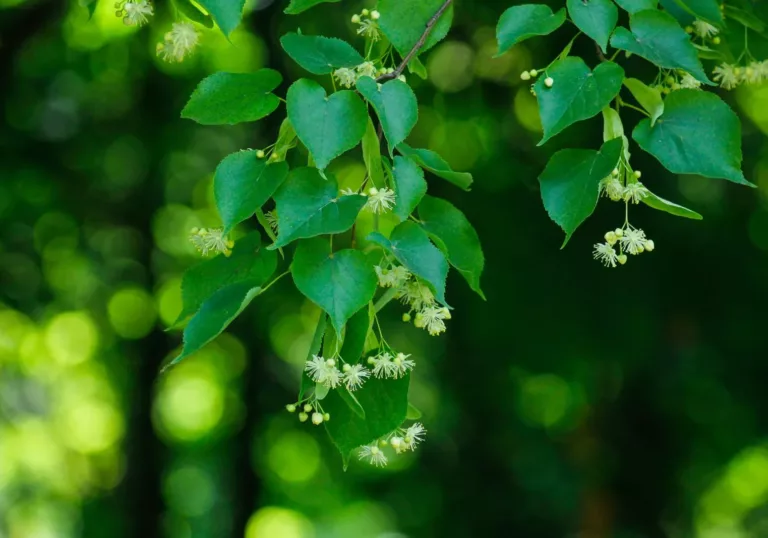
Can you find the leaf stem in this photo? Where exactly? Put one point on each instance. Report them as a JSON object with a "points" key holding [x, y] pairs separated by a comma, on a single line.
{"points": [[265, 288], [384, 299]]}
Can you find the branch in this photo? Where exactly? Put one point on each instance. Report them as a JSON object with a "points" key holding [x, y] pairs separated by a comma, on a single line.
{"points": [[420, 43]]}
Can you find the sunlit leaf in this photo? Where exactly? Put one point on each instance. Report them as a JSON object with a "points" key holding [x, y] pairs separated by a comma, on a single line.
{"points": [[519, 23]]}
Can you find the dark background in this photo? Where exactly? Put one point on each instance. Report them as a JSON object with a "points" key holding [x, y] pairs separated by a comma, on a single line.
{"points": [[577, 401]]}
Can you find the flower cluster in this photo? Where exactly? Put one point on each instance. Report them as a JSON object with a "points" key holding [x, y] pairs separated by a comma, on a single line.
{"points": [[211, 240], [678, 80], [618, 189], [380, 200], [347, 76], [368, 26], [318, 416], [134, 13], [325, 372], [385, 365], [704, 30], [730, 75], [401, 440], [179, 42]]}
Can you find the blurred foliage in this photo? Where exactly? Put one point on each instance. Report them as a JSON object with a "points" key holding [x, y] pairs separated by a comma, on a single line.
{"points": [[575, 402]]}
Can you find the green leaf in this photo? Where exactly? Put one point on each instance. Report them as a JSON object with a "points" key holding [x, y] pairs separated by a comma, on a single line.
{"points": [[649, 98], [229, 98], [341, 282], [385, 402], [442, 220], [614, 128], [328, 126], [656, 202], [355, 334], [90, 5], [576, 94], [395, 105], [215, 314], [633, 6], [413, 413], [706, 10], [372, 155], [596, 18], [286, 139], [417, 68], [750, 20], [697, 134], [320, 55], [410, 186], [519, 23], [226, 13], [249, 262], [570, 183], [657, 37], [410, 244], [190, 11], [297, 6], [432, 162], [403, 23], [243, 183], [308, 205]]}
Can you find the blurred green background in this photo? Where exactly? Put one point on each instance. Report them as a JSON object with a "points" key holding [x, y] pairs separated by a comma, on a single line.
{"points": [[576, 402]]}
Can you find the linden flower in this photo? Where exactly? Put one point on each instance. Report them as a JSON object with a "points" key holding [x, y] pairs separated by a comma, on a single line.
{"points": [[366, 69], [688, 82], [369, 28], [431, 318], [704, 29], [346, 76], [413, 436], [612, 188], [209, 240], [383, 365], [271, 217], [323, 371], [380, 200], [635, 192], [136, 13], [373, 454], [394, 277], [179, 42], [605, 254], [753, 74], [417, 295], [726, 75], [355, 376], [402, 364], [633, 241]]}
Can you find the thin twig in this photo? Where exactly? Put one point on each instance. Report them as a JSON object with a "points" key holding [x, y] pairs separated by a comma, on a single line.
{"points": [[600, 54], [420, 43]]}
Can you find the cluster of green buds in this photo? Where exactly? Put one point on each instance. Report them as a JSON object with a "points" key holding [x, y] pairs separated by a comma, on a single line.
{"points": [[309, 411]]}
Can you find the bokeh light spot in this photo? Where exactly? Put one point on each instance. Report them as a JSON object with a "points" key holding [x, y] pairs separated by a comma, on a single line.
{"points": [[189, 491], [294, 456], [132, 312], [71, 338], [271, 522]]}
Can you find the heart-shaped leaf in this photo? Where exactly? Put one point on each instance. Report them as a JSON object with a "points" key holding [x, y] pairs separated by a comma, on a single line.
{"points": [[372, 155], [410, 186], [657, 202], [320, 55], [395, 105], [410, 244], [229, 98], [576, 93], [308, 205], [341, 283], [657, 37], [449, 225], [249, 262], [432, 162], [633, 6], [328, 126], [697, 134], [297, 6], [226, 13], [403, 23], [243, 183], [519, 23], [596, 18], [570, 183], [649, 98]]}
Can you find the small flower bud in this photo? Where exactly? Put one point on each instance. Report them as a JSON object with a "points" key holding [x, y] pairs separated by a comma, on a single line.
{"points": [[330, 362], [670, 79], [533, 73], [382, 442], [610, 238], [356, 19], [406, 317], [346, 368], [638, 174], [365, 13], [307, 408], [665, 91], [615, 172], [716, 40], [525, 75], [622, 258], [689, 29], [373, 191], [548, 82], [274, 156], [260, 153], [291, 408], [375, 15], [303, 417], [194, 231], [317, 418], [619, 232], [649, 245], [371, 360], [396, 442]]}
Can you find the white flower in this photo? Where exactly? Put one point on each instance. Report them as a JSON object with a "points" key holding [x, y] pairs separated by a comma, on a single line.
{"points": [[373, 454], [413, 436], [180, 41], [383, 366], [397, 443], [366, 69], [417, 295], [431, 318], [317, 418], [402, 364], [323, 371], [208, 240], [355, 376], [346, 77], [369, 28], [633, 240], [612, 188], [753, 73], [271, 217], [394, 277], [136, 13], [727, 75], [605, 254], [688, 82], [704, 29], [380, 200], [635, 192]]}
